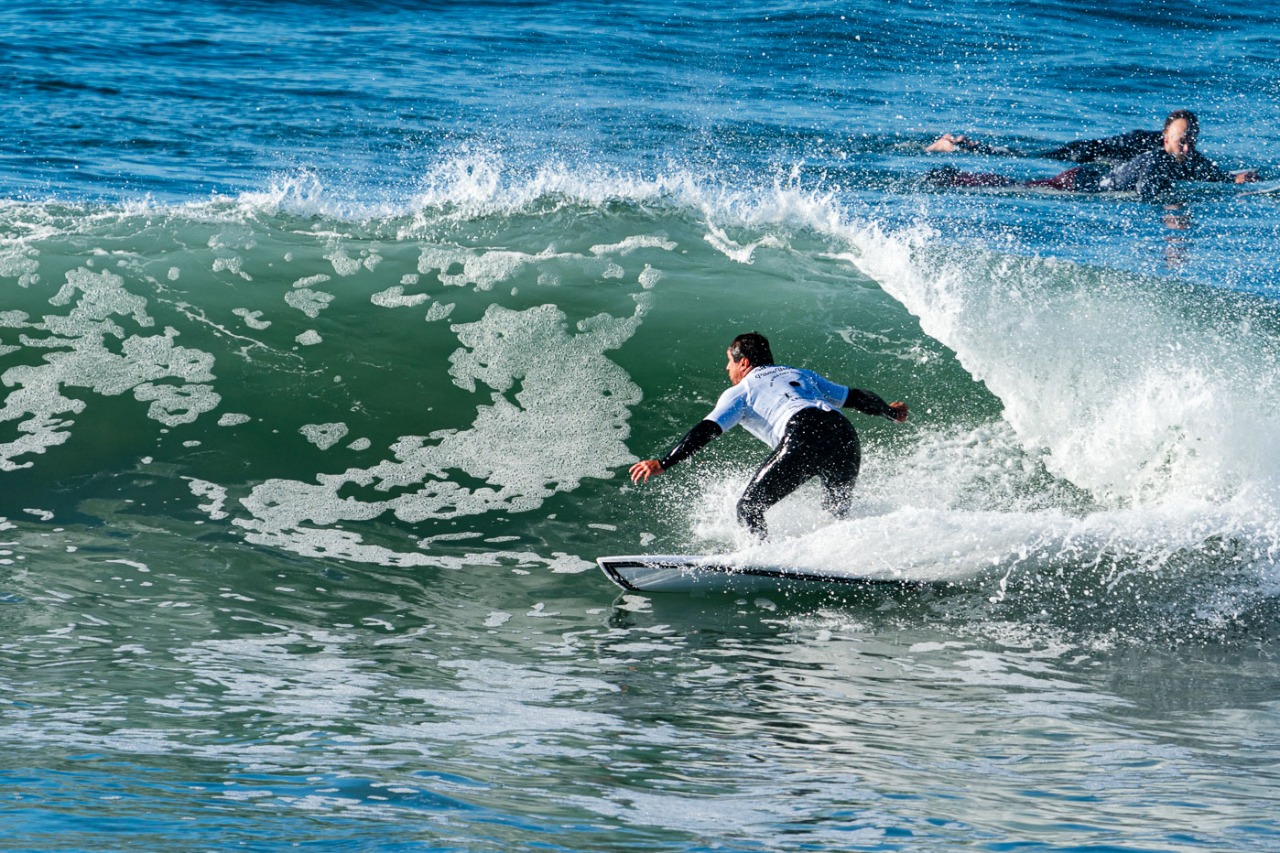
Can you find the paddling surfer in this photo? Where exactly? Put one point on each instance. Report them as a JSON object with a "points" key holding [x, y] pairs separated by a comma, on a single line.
{"points": [[1152, 174], [795, 412]]}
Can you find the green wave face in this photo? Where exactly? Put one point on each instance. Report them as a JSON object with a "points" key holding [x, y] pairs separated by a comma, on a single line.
{"points": [[461, 383], [322, 385]]}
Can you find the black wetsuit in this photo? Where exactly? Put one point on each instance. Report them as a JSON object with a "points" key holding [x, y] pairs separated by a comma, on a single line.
{"points": [[817, 443], [1116, 149], [792, 411], [1151, 174], [1111, 149]]}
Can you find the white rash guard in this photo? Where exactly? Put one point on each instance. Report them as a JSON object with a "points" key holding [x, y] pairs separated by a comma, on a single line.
{"points": [[766, 398]]}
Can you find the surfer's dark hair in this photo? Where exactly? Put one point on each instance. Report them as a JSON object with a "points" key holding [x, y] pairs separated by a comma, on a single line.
{"points": [[752, 346], [1193, 123]]}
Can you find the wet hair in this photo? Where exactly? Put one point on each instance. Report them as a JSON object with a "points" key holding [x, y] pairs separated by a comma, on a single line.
{"points": [[1193, 123], [752, 346]]}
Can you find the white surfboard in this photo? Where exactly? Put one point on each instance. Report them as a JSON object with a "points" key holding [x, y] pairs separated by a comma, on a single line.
{"points": [[710, 573], [1263, 188]]}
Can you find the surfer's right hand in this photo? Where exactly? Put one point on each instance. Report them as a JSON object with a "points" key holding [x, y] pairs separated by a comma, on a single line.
{"points": [[644, 469], [899, 411], [946, 143]]}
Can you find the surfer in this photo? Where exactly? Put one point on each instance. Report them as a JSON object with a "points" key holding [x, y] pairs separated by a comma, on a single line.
{"points": [[795, 412], [1152, 174]]}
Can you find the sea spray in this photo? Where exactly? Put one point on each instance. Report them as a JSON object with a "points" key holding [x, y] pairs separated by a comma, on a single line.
{"points": [[1134, 389]]}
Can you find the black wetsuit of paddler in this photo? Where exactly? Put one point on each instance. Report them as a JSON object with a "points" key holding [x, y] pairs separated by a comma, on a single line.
{"points": [[1152, 174], [1110, 149]]}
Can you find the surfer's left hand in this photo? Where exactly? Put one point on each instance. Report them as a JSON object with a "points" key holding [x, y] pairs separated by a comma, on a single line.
{"points": [[899, 411]]}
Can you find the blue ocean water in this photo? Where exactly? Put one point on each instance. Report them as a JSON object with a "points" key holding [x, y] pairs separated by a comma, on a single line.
{"points": [[330, 329]]}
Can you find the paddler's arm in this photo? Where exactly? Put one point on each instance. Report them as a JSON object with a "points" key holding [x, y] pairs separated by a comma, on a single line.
{"points": [[871, 404], [694, 440]]}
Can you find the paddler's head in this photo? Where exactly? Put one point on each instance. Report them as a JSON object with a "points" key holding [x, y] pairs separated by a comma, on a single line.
{"points": [[1181, 129]]}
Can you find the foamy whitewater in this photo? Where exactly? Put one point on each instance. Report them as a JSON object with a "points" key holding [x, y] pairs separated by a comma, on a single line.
{"points": [[329, 332]]}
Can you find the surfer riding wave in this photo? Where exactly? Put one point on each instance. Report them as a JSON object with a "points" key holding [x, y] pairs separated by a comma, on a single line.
{"points": [[794, 411]]}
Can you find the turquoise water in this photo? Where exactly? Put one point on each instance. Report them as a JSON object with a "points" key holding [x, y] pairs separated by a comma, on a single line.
{"points": [[329, 332]]}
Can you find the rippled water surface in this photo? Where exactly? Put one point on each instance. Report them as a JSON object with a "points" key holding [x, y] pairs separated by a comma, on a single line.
{"points": [[329, 330]]}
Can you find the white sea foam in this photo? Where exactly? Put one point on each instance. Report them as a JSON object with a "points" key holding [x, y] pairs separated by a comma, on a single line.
{"points": [[342, 264], [79, 357], [309, 302], [173, 405], [479, 269], [956, 544], [20, 262], [631, 244], [649, 277], [252, 319], [439, 311], [324, 436], [216, 495], [394, 297], [312, 280], [544, 439]]}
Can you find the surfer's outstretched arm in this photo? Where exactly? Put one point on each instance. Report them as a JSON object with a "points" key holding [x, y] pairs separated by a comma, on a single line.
{"points": [[870, 403], [694, 440], [952, 142]]}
